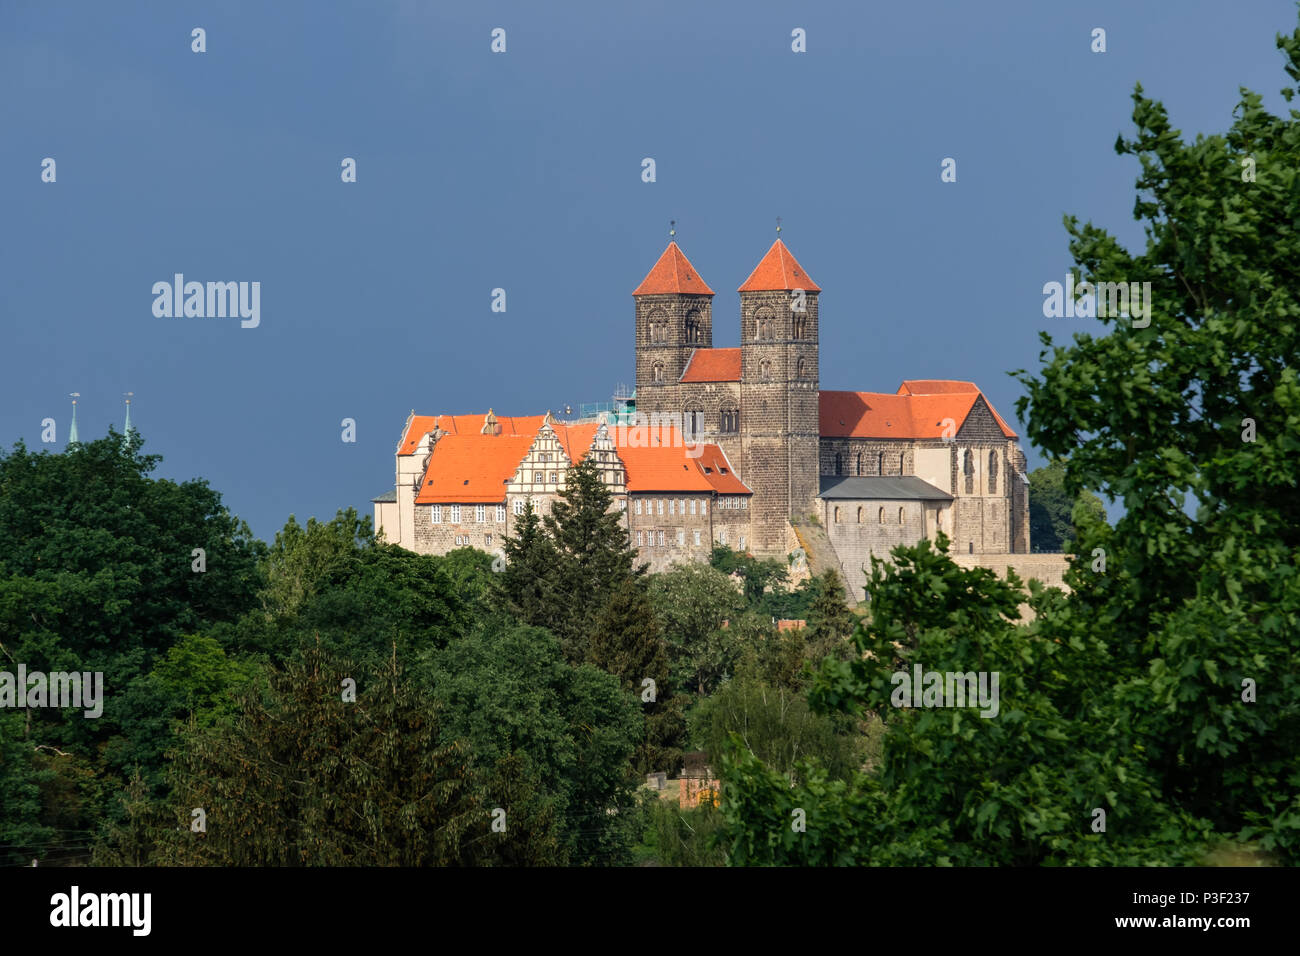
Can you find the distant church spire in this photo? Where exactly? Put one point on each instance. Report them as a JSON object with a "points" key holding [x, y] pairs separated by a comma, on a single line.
{"points": [[126, 432], [72, 433]]}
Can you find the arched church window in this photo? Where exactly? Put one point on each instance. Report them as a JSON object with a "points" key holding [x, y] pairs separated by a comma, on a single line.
{"points": [[859, 514], [880, 463], [839, 464], [859, 471], [882, 516], [800, 368], [968, 469], [993, 472], [694, 331], [765, 370], [837, 514], [657, 373], [900, 515]]}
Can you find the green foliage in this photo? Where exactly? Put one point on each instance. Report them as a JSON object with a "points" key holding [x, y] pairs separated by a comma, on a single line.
{"points": [[626, 642], [776, 725], [96, 574], [681, 837], [508, 692], [691, 603], [1051, 509], [303, 778], [592, 556], [758, 577]]}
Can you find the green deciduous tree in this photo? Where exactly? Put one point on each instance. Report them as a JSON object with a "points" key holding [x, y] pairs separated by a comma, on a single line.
{"points": [[1051, 509]]}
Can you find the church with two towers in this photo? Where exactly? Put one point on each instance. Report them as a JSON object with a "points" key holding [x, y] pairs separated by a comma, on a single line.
{"points": [[731, 446]]}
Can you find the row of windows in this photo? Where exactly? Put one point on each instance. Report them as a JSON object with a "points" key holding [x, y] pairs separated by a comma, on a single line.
{"points": [[464, 540], [862, 513], [646, 539], [676, 506], [480, 513], [735, 503], [765, 326], [657, 327]]}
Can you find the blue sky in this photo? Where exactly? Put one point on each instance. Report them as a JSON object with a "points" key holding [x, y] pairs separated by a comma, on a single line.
{"points": [[522, 171]]}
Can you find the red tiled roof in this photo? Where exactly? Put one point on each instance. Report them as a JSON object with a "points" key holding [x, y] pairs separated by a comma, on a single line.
{"points": [[934, 386], [575, 439], [713, 365], [421, 425], [778, 270], [912, 415], [472, 469], [673, 273]]}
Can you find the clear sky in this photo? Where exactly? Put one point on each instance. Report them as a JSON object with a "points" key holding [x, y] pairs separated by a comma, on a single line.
{"points": [[522, 170]]}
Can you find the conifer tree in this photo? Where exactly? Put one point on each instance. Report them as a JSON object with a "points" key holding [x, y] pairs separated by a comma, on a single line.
{"points": [[528, 579], [306, 777], [593, 557], [626, 642]]}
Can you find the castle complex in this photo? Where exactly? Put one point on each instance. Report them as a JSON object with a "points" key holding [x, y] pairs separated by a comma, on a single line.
{"points": [[731, 446]]}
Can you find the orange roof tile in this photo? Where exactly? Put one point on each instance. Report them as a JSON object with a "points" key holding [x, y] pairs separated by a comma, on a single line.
{"points": [[673, 273], [472, 469], [575, 439], [880, 415], [421, 425], [713, 365], [940, 386], [778, 270], [665, 465], [934, 386]]}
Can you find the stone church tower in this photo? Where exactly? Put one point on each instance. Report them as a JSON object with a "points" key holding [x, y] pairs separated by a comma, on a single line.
{"points": [[674, 316], [779, 394]]}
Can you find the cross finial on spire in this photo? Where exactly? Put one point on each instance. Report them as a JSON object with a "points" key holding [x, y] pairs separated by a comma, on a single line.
{"points": [[778, 225], [672, 229]]}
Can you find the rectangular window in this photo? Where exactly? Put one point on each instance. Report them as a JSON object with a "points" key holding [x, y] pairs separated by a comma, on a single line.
{"points": [[697, 539], [722, 536], [622, 504], [501, 513], [704, 506], [661, 539], [537, 477], [671, 506], [487, 539], [638, 538], [681, 506], [552, 477], [661, 506], [693, 506], [638, 506], [519, 506], [455, 514], [436, 514], [480, 513], [742, 542], [681, 537]]}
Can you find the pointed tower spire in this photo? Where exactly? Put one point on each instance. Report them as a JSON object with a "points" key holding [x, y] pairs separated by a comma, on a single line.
{"points": [[72, 432], [673, 274], [778, 271], [126, 432]]}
